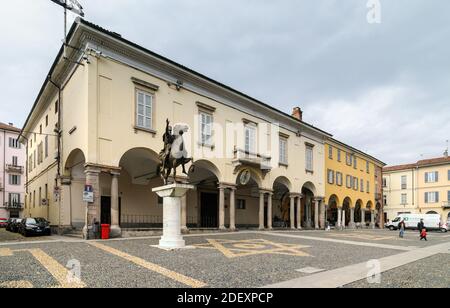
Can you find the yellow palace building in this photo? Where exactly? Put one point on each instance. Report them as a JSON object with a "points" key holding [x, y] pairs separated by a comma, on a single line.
{"points": [[353, 190]]}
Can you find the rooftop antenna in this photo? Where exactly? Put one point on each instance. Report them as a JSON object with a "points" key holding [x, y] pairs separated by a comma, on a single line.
{"points": [[73, 6]]}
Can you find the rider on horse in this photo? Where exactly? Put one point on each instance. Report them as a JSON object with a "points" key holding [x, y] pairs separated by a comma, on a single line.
{"points": [[168, 139]]}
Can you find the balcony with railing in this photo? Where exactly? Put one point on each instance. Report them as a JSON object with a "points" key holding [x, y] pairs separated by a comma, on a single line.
{"points": [[13, 205], [446, 205], [245, 158], [14, 169]]}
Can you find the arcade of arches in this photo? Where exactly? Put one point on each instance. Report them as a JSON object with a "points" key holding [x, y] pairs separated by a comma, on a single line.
{"points": [[124, 197], [346, 214]]}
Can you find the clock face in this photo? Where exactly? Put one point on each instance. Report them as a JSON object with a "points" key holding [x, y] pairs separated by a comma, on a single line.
{"points": [[245, 177]]}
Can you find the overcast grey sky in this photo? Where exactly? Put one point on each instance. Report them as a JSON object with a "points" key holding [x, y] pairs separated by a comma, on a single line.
{"points": [[383, 88]]}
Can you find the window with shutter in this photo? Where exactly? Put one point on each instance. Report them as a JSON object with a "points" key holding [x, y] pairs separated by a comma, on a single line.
{"points": [[250, 139], [206, 123], [309, 158], [144, 110], [283, 151]]}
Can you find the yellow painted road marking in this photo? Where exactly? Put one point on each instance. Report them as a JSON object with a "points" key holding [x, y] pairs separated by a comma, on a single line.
{"points": [[222, 249], [59, 272], [244, 248], [6, 252], [16, 285], [151, 266]]}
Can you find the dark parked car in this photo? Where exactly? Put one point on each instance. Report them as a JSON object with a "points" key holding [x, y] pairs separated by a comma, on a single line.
{"points": [[9, 223], [3, 222], [34, 226], [14, 227]]}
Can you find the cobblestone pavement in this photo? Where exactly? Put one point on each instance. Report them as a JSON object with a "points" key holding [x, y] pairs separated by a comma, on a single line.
{"points": [[244, 259], [6, 236], [432, 272]]}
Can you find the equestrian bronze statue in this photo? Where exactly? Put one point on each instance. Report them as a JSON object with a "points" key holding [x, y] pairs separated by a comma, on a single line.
{"points": [[174, 153]]}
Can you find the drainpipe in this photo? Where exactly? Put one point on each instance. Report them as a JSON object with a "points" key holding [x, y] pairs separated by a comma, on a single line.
{"points": [[26, 171], [58, 132], [4, 167]]}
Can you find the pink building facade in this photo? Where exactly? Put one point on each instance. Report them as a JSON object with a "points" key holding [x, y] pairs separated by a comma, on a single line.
{"points": [[12, 172]]}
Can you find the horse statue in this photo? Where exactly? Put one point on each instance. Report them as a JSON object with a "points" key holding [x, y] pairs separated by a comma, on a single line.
{"points": [[174, 153]]}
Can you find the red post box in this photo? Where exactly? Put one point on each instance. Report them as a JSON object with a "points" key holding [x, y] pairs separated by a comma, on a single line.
{"points": [[105, 232]]}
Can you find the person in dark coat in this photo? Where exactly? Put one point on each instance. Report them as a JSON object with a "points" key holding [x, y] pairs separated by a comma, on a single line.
{"points": [[421, 225]]}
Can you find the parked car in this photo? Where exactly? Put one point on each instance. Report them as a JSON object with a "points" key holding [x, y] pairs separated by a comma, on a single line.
{"points": [[3, 222], [9, 223], [34, 226], [14, 227], [432, 222]]}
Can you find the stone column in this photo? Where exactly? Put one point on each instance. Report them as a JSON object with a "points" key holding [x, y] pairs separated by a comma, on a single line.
{"points": [[343, 224], [222, 208], [261, 210], [308, 215], [115, 228], [184, 228], [352, 224], [299, 212], [372, 219], [363, 218], [269, 211], [92, 213], [322, 214], [339, 218], [292, 216], [233, 209], [316, 214]]}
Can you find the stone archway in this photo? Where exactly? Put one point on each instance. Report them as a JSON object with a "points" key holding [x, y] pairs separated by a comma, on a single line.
{"points": [[370, 215], [332, 210], [310, 210], [210, 213], [282, 208], [73, 181], [138, 206], [249, 199], [347, 212]]}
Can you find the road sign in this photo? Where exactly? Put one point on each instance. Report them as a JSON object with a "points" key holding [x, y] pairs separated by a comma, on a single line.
{"points": [[88, 194]]}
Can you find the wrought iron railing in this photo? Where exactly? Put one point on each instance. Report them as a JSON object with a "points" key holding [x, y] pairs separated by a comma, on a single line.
{"points": [[13, 205], [14, 169], [148, 221]]}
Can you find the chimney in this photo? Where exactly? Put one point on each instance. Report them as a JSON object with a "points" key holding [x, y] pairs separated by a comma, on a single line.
{"points": [[297, 113]]}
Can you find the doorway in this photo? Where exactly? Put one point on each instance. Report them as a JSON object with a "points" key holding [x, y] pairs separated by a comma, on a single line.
{"points": [[105, 215], [209, 210]]}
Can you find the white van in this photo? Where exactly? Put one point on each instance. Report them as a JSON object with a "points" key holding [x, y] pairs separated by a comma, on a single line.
{"points": [[431, 221]]}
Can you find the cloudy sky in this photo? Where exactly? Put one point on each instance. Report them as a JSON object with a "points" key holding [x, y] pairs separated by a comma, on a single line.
{"points": [[383, 88]]}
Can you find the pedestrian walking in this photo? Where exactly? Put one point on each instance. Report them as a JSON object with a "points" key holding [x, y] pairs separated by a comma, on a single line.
{"points": [[420, 226], [402, 227], [423, 235]]}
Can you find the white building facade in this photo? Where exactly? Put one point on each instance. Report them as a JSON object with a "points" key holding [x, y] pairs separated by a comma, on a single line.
{"points": [[12, 168]]}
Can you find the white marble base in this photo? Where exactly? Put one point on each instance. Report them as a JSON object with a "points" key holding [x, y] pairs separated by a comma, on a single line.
{"points": [[172, 249], [172, 194], [116, 232]]}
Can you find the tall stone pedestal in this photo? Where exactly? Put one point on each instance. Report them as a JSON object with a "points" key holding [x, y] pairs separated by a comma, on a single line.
{"points": [[172, 197]]}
